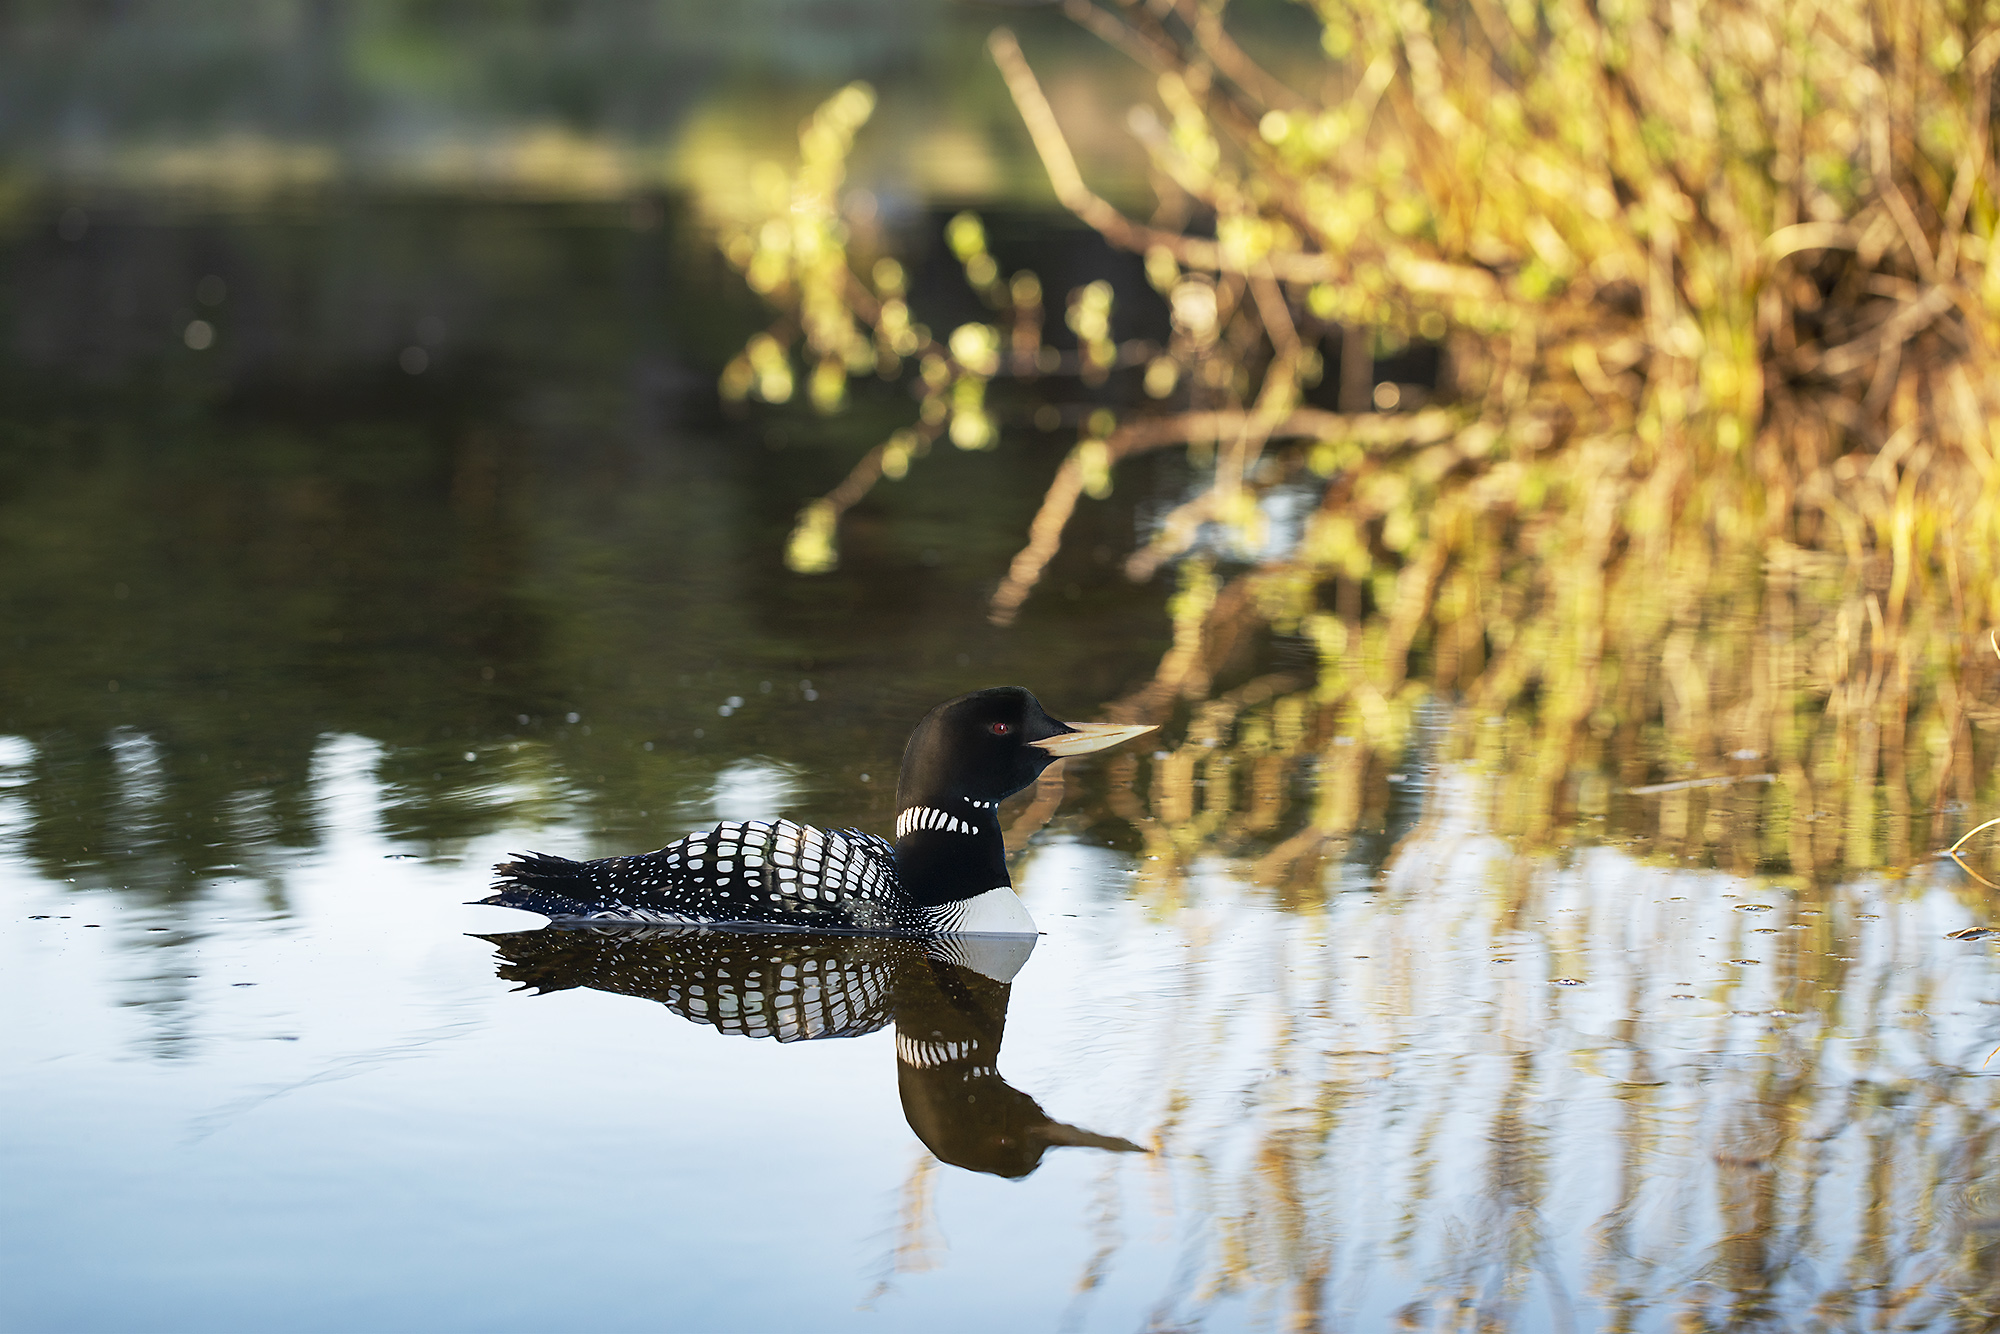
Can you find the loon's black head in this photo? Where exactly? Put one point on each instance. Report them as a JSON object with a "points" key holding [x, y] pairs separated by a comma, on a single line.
{"points": [[990, 744]]}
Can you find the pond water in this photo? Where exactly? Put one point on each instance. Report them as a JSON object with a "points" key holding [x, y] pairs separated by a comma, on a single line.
{"points": [[299, 641]]}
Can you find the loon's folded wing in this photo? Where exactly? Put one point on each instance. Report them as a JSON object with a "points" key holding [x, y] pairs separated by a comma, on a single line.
{"points": [[776, 874]]}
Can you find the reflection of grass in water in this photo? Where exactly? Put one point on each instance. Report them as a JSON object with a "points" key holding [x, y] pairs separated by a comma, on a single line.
{"points": [[1361, 1113], [1955, 851], [1704, 490]]}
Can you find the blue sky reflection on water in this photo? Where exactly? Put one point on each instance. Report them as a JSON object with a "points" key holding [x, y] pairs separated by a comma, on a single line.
{"points": [[333, 1115], [354, 1123]]}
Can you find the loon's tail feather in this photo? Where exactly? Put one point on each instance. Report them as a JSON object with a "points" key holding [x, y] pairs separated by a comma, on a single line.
{"points": [[555, 887]]}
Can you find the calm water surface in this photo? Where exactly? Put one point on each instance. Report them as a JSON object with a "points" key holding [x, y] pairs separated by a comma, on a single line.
{"points": [[298, 643]]}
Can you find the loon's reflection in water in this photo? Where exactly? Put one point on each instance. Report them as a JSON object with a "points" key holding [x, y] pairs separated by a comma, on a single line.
{"points": [[947, 999]]}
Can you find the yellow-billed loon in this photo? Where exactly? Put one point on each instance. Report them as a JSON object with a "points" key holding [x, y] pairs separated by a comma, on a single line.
{"points": [[946, 873]]}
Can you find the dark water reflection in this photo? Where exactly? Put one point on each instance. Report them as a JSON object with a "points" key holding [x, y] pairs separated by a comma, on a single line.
{"points": [[947, 1001], [539, 571]]}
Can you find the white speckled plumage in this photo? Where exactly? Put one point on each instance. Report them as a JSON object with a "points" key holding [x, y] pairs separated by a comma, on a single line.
{"points": [[775, 873]]}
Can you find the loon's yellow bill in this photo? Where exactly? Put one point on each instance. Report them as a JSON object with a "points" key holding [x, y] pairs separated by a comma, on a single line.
{"points": [[1086, 737]]}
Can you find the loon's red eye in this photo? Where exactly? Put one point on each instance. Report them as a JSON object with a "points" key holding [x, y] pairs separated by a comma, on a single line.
{"points": [[999, 729]]}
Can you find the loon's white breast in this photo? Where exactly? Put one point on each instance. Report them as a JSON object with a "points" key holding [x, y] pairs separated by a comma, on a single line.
{"points": [[997, 912]]}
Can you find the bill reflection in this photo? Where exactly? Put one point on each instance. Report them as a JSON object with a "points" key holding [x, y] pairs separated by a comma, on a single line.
{"points": [[947, 1000]]}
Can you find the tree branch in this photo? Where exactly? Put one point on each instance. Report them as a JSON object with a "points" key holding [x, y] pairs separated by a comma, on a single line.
{"points": [[1193, 252], [1059, 501]]}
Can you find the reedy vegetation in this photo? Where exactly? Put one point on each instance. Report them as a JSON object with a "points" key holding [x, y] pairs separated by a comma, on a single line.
{"points": [[1707, 487]]}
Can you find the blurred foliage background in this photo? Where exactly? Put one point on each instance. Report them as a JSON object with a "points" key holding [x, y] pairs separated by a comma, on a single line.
{"points": [[574, 99]]}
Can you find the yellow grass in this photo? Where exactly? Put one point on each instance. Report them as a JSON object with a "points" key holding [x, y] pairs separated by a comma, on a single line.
{"points": [[1707, 489]]}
